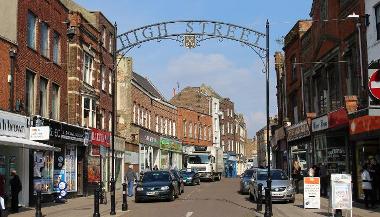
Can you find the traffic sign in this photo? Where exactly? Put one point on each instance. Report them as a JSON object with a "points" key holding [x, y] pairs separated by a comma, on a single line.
{"points": [[374, 84]]}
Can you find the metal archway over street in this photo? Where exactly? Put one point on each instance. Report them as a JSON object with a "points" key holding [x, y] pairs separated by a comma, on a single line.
{"points": [[190, 32]]}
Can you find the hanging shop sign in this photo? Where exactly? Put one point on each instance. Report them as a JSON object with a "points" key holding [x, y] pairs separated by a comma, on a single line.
{"points": [[170, 145], [320, 123], [338, 118], [100, 137], [298, 131], [341, 191], [13, 125], [39, 133], [311, 195], [148, 138]]}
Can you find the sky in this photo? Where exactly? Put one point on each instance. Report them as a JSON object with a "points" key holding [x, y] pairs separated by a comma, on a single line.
{"points": [[233, 70]]}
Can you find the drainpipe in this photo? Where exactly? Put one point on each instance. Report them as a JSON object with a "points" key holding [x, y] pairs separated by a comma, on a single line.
{"points": [[12, 55]]}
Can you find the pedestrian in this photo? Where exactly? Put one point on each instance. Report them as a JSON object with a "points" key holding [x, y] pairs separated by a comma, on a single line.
{"points": [[16, 187], [296, 175], [2, 194], [316, 171], [367, 186], [311, 172], [374, 171], [230, 168], [324, 179], [155, 167], [130, 178]]}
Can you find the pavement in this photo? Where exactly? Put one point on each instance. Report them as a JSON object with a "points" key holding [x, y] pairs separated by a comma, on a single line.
{"points": [[210, 199]]}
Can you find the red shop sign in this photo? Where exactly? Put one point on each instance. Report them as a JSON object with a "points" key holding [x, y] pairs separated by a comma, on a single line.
{"points": [[338, 118], [100, 137]]}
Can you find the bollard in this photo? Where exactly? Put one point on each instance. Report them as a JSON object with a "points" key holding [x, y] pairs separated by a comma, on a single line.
{"points": [[124, 206], [338, 213], [96, 203], [38, 204], [259, 197], [101, 196], [267, 202]]}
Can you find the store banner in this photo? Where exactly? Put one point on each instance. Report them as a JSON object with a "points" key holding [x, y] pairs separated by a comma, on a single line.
{"points": [[321, 123], [298, 131], [364, 124], [100, 137], [170, 145], [13, 125], [338, 118], [148, 138], [312, 195], [341, 191], [131, 157], [39, 133]]}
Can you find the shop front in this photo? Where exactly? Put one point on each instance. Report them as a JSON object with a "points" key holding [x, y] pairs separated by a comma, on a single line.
{"points": [[69, 163], [365, 140], [299, 145], [18, 153], [149, 150], [330, 137], [171, 153]]}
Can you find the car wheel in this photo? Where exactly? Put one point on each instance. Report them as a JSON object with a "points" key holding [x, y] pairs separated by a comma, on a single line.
{"points": [[220, 177], [171, 196], [199, 182], [137, 200], [292, 200]]}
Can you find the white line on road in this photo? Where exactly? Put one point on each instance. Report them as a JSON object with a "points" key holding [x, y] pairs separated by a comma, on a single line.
{"points": [[188, 214]]}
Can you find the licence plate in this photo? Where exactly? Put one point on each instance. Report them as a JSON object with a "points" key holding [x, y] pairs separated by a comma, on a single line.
{"points": [[151, 193]]}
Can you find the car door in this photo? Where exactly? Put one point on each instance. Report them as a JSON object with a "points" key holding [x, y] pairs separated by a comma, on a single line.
{"points": [[174, 182]]}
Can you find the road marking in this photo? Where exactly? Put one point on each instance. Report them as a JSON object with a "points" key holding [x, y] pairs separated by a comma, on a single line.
{"points": [[188, 214]]}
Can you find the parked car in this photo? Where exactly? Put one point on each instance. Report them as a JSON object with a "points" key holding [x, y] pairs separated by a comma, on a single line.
{"points": [[181, 184], [245, 179], [282, 187], [191, 177], [157, 185]]}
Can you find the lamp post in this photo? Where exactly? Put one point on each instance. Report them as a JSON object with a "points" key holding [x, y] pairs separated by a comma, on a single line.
{"points": [[113, 209], [268, 197]]}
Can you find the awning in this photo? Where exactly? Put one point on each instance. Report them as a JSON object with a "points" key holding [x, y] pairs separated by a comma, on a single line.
{"points": [[25, 143]]}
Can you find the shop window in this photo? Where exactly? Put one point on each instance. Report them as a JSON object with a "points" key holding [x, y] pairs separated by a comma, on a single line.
{"points": [[31, 26], [43, 97], [88, 112], [55, 102], [29, 93], [56, 48], [70, 168], [87, 68], [44, 40]]}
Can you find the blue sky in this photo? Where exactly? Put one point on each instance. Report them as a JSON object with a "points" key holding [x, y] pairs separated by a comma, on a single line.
{"points": [[232, 70]]}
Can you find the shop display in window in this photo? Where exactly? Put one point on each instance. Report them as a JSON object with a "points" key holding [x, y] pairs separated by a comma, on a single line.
{"points": [[43, 171], [70, 166]]}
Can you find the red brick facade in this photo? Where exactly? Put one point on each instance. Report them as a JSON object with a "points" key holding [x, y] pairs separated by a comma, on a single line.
{"points": [[194, 128], [5, 68]]}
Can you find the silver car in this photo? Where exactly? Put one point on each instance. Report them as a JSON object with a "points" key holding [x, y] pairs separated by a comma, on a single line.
{"points": [[245, 179], [282, 187]]}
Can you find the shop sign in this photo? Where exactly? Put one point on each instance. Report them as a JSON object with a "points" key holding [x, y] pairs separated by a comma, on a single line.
{"points": [[341, 191], [311, 195], [148, 138], [100, 137], [73, 133], [131, 157], [320, 123], [39, 133], [170, 144], [338, 118], [364, 124], [13, 125], [298, 131], [186, 149]]}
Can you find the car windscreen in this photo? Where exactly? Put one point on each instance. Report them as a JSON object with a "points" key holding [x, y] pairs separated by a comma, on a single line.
{"points": [[198, 159], [185, 173], [248, 173], [276, 175], [155, 177]]}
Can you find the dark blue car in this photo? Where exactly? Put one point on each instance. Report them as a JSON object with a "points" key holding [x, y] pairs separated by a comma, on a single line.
{"points": [[190, 177]]}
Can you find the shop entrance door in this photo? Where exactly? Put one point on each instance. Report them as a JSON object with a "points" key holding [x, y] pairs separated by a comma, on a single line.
{"points": [[80, 177]]}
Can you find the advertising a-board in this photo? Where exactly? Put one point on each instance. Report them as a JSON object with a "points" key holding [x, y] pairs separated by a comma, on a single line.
{"points": [[312, 196], [341, 192]]}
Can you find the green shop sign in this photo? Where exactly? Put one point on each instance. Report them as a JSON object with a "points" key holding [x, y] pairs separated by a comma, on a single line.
{"points": [[170, 144]]}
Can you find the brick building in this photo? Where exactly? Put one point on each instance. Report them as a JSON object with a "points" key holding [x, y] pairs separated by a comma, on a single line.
{"points": [[153, 122]]}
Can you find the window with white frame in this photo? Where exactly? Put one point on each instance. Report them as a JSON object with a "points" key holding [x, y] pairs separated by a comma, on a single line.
{"points": [[157, 130], [87, 68], [149, 120], [103, 77], [195, 131], [29, 93], [174, 129], [103, 117], [43, 97], [110, 122], [56, 48], [31, 27], [134, 113], [209, 134], [104, 34], [170, 128], [110, 43], [166, 126], [145, 118], [55, 100], [110, 82], [200, 132], [184, 128], [191, 130], [88, 112], [205, 133], [138, 114], [161, 125], [44, 39]]}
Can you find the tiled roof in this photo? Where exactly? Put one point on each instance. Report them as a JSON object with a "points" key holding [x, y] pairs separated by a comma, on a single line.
{"points": [[147, 85]]}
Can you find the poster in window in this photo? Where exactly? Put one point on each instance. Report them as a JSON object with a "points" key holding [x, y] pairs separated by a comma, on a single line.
{"points": [[93, 169], [43, 171], [70, 167], [59, 176]]}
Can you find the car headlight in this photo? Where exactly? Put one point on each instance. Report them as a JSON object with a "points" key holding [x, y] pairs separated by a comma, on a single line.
{"points": [[189, 177], [139, 189], [164, 188]]}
